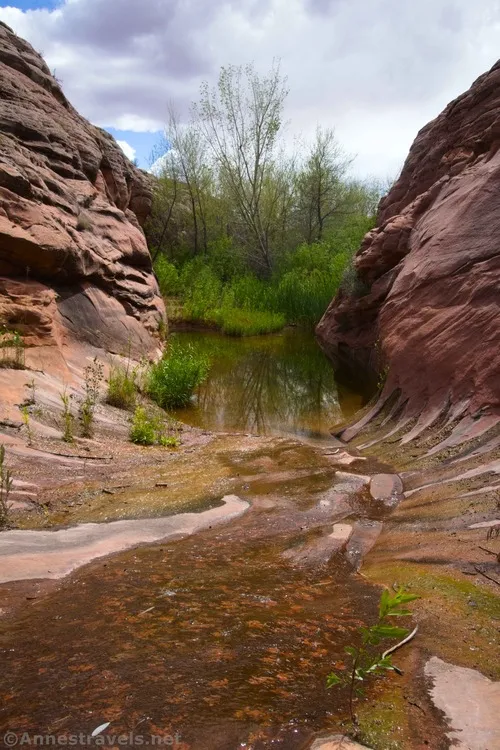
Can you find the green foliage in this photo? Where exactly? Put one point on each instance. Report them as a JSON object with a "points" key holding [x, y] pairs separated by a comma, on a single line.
{"points": [[148, 429], [143, 428], [167, 275], [122, 386], [172, 380], [93, 374], [6, 483], [366, 662], [68, 418], [12, 348]]}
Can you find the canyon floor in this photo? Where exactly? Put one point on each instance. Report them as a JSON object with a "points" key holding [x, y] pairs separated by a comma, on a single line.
{"points": [[208, 590]]}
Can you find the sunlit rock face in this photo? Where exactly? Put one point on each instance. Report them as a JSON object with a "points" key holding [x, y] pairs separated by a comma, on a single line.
{"points": [[427, 302], [74, 263]]}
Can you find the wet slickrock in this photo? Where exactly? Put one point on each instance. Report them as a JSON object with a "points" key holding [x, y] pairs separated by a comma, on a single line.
{"points": [[74, 263], [428, 274]]}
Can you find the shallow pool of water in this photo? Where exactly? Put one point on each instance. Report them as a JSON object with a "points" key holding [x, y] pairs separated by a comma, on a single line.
{"points": [[276, 384]]}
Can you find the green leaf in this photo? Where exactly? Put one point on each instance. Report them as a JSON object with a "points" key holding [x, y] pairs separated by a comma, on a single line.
{"points": [[384, 604], [388, 631], [351, 651], [332, 680]]}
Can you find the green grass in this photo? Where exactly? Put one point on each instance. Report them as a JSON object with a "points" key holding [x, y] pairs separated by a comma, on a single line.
{"points": [[172, 380], [122, 387], [236, 322]]}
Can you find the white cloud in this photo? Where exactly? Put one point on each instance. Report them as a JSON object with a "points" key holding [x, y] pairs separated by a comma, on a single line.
{"points": [[127, 149], [376, 70]]}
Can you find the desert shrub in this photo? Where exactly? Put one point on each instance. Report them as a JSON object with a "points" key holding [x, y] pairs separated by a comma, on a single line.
{"points": [[351, 284], [172, 380], [68, 418], [93, 375], [12, 348], [83, 222], [122, 386]]}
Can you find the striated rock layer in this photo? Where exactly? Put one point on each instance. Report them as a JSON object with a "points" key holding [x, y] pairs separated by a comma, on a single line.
{"points": [[74, 264], [431, 266]]}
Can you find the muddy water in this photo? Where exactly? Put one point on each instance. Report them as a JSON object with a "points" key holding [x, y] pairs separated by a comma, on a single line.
{"points": [[224, 638], [279, 384]]}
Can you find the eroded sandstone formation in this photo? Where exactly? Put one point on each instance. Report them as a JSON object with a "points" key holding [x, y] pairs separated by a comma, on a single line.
{"points": [[425, 306], [74, 264]]}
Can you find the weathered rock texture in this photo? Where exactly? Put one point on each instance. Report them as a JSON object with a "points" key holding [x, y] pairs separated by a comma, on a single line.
{"points": [[432, 267], [74, 263]]}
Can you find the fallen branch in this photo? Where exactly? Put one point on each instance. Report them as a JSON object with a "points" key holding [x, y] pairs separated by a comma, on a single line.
{"points": [[489, 551], [401, 643], [487, 576]]}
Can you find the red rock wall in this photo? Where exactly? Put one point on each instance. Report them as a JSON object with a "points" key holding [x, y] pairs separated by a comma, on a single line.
{"points": [[71, 210], [432, 266]]}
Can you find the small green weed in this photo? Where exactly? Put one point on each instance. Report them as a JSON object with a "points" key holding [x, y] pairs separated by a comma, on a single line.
{"points": [[148, 429], [366, 662], [68, 418]]}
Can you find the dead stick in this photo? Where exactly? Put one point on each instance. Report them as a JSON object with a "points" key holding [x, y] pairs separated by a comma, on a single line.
{"points": [[489, 551], [487, 576]]}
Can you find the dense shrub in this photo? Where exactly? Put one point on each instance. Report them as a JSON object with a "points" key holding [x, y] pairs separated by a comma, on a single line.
{"points": [[172, 380]]}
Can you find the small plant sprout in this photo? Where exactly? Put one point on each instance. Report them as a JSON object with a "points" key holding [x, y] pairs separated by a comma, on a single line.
{"points": [[25, 416], [366, 661], [68, 418], [6, 483], [94, 374]]}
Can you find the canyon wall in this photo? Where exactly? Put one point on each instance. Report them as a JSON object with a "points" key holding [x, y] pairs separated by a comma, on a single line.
{"points": [[74, 264], [424, 309]]}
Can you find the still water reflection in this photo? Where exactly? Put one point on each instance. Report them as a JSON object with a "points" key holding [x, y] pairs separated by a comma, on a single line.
{"points": [[280, 384]]}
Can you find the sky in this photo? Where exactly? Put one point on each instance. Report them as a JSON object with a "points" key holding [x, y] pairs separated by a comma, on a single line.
{"points": [[375, 70]]}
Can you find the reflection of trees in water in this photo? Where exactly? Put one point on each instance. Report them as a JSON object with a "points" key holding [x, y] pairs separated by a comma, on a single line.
{"points": [[282, 383]]}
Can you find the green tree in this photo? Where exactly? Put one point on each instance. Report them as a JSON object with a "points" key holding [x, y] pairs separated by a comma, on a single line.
{"points": [[241, 119]]}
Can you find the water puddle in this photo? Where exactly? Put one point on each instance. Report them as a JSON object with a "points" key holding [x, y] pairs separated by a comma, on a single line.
{"points": [[277, 384]]}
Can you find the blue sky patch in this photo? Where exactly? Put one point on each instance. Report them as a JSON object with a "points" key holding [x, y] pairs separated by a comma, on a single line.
{"points": [[142, 143]]}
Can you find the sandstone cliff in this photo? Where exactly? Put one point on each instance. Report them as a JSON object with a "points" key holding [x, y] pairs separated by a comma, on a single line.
{"points": [[74, 264], [432, 268]]}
